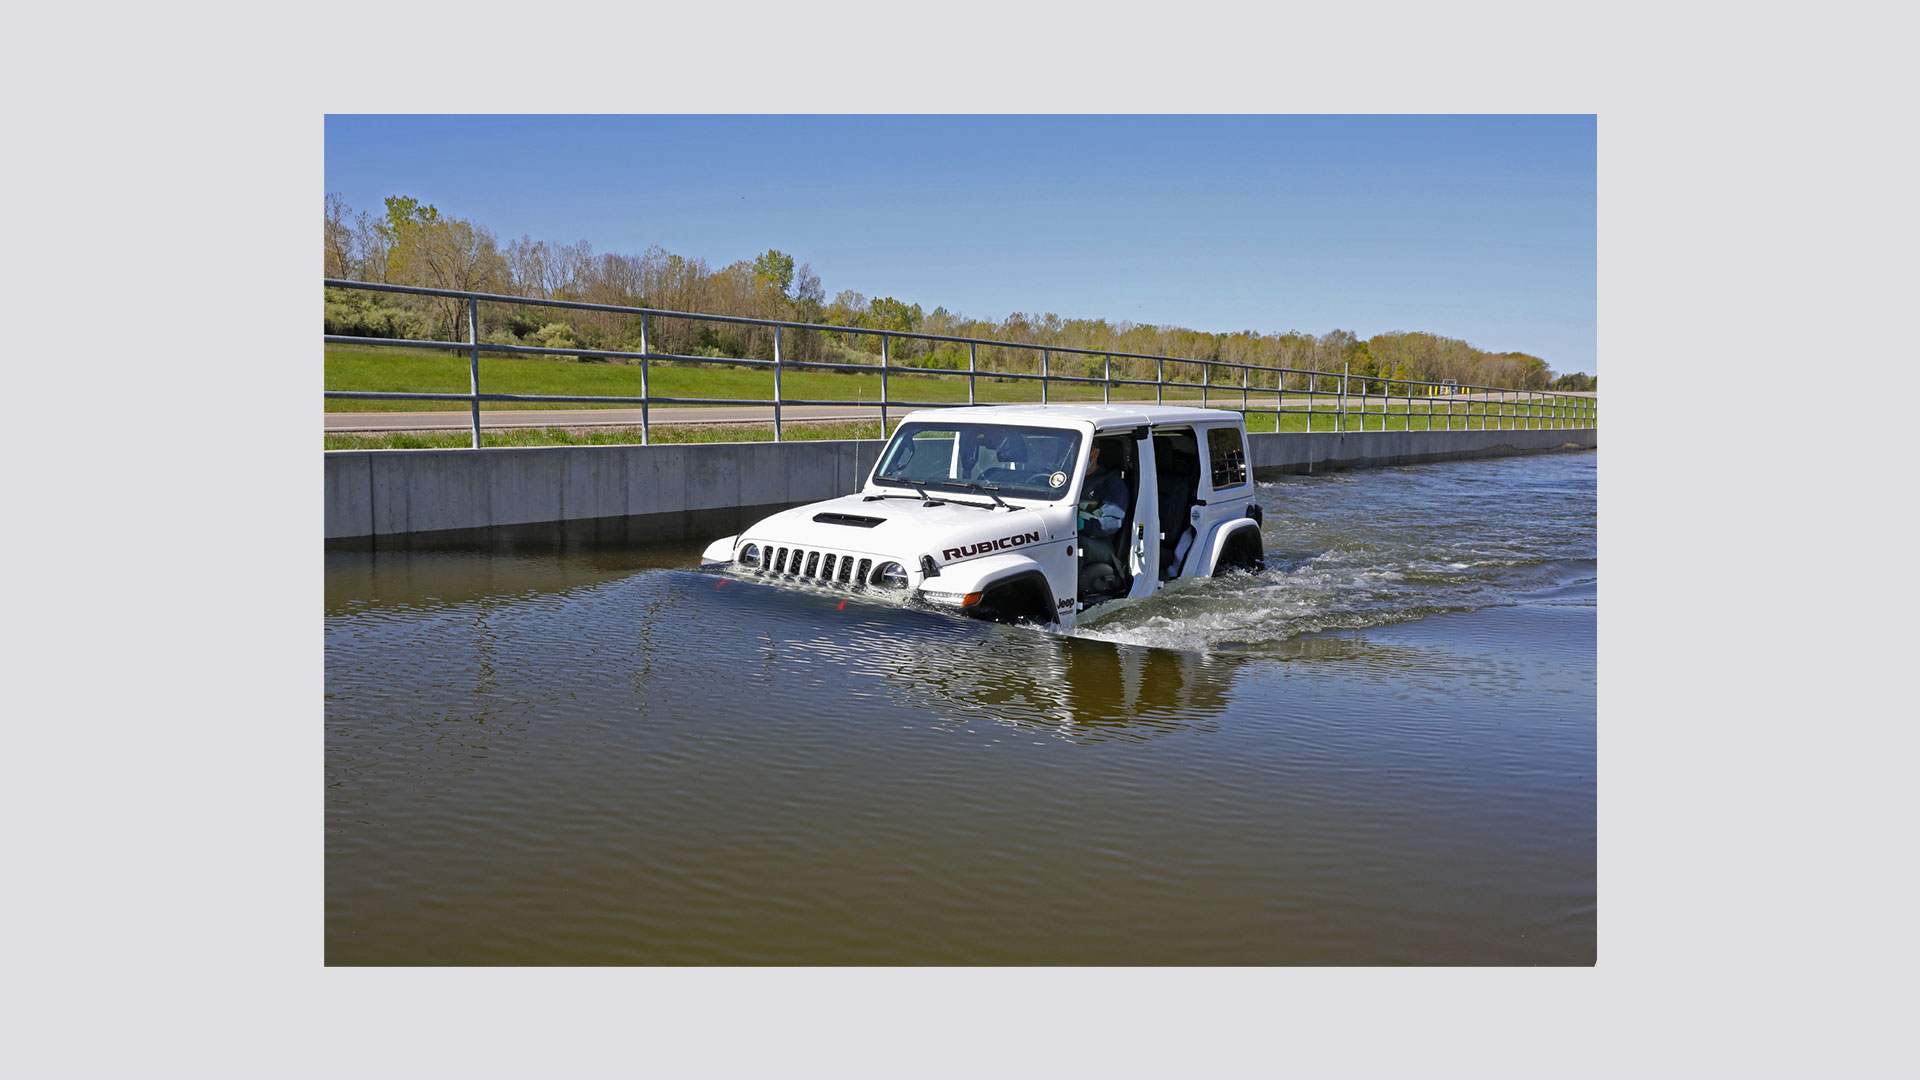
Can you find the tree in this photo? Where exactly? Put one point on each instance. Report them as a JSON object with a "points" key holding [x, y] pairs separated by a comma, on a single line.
{"points": [[400, 227], [891, 314], [427, 249], [773, 272], [339, 238], [808, 307]]}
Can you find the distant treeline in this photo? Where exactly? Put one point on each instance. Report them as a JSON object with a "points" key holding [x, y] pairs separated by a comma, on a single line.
{"points": [[412, 243]]}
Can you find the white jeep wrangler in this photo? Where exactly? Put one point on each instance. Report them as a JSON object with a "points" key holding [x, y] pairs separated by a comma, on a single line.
{"points": [[980, 509]]}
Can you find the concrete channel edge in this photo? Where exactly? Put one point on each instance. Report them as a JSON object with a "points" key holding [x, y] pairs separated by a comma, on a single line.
{"points": [[684, 491]]}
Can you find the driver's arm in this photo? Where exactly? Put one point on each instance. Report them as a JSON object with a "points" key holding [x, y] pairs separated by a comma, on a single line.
{"points": [[1102, 519]]}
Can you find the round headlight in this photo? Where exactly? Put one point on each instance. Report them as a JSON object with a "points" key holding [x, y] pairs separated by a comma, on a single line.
{"points": [[750, 555], [891, 575]]}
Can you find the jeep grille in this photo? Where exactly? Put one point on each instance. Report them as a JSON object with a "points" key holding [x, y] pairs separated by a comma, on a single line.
{"points": [[818, 566]]}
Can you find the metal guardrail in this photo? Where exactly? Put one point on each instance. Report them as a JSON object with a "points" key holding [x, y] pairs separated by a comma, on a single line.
{"points": [[1499, 407]]}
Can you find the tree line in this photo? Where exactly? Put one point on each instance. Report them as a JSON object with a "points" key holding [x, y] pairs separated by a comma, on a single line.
{"points": [[413, 243]]}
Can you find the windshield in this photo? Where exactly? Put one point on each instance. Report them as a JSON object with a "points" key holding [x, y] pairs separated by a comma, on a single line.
{"points": [[1027, 462]]}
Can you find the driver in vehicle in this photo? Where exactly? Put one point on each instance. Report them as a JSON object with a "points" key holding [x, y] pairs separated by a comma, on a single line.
{"points": [[1103, 501]]}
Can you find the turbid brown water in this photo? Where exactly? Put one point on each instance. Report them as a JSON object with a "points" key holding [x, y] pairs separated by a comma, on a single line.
{"points": [[1380, 751]]}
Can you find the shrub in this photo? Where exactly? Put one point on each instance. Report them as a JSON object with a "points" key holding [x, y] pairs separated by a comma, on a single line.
{"points": [[555, 335], [357, 313]]}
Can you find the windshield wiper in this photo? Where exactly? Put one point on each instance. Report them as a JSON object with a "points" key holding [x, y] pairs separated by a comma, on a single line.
{"points": [[931, 500], [981, 485], [923, 496]]}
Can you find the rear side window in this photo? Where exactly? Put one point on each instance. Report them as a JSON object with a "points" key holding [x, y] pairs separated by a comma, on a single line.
{"points": [[1228, 457]]}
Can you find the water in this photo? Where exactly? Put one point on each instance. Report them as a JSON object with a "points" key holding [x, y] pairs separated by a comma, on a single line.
{"points": [[1381, 751]]}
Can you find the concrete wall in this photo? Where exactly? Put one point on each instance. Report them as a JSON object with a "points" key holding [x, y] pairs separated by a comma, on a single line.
{"points": [[697, 491], [1299, 452]]}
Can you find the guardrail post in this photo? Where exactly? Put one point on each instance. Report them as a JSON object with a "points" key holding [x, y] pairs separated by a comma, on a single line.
{"points": [[776, 384], [972, 364], [885, 363], [1106, 388], [644, 396], [1159, 380], [1340, 418], [1243, 394], [473, 364], [1043, 376]]}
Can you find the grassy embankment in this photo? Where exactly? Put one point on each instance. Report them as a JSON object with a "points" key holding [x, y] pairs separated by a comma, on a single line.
{"points": [[404, 370], [419, 372]]}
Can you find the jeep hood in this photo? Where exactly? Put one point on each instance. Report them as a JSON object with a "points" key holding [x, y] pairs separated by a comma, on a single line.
{"points": [[903, 528]]}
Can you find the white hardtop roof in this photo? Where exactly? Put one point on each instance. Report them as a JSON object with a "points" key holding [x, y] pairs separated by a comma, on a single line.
{"points": [[1100, 416]]}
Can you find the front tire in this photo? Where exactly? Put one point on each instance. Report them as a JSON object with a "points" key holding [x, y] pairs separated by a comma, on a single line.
{"points": [[1025, 599], [1243, 554]]}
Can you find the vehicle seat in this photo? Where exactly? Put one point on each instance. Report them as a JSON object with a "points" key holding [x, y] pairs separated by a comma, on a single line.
{"points": [[1009, 460], [1178, 483], [1103, 577]]}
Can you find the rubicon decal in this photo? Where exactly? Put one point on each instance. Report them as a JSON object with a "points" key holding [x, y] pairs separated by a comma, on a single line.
{"points": [[967, 551]]}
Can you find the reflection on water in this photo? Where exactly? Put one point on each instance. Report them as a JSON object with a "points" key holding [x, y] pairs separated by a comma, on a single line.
{"points": [[604, 758], [1021, 679]]}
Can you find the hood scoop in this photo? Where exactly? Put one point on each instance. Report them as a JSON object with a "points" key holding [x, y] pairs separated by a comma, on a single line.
{"points": [[856, 520]]}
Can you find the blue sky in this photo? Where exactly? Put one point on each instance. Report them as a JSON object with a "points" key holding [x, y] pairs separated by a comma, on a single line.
{"points": [[1475, 227]]}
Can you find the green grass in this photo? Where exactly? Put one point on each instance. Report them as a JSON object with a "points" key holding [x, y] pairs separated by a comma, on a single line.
{"points": [[402, 370], [417, 371], [1502, 417]]}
